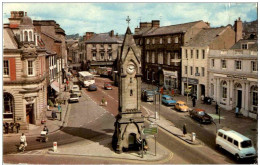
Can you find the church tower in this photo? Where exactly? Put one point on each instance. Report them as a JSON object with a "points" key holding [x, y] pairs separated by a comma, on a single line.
{"points": [[129, 120]]}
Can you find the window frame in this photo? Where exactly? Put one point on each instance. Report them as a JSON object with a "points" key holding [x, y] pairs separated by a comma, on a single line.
{"points": [[223, 64], [186, 69], [176, 40], [202, 71], [30, 68], [6, 68], [102, 56], [169, 40], [197, 54], [254, 66], [244, 46], [203, 54], [191, 53], [161, 40], [238, 64], [191, 70]]}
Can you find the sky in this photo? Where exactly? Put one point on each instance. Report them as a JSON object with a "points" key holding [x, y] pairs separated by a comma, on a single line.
{"points": [[104, 17]]}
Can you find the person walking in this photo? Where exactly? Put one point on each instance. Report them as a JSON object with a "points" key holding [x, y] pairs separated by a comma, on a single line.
{"points": [[6, 127], [103, 101], [17, 125], [237, 111], [23, 142], [216, 107], [184, 130], [12, 127], [193, 101], [53, 114], [59, 107]]}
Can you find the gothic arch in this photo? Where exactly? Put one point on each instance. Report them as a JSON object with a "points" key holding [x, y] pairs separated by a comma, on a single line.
{"points": [[238, 86]]}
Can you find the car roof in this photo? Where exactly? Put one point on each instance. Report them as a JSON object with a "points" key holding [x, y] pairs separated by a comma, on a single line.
{"points": [[181, 102], [75, 86], [235, 135], [198, 109], [166, 96]]}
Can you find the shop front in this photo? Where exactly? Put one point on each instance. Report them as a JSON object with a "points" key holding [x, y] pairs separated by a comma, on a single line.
{"points": [[170, 79], [192, 86]]}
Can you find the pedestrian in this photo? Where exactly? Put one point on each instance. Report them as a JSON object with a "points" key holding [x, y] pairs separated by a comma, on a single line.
{"points": [[53, 114], [65, 88], [193, 101], [216, 108], [184, 130], [12, 127], [17, 125], [6, 127], [23, 142], [202, 98], [237, 111], [59, 107], [103, 101], [46, 129]]}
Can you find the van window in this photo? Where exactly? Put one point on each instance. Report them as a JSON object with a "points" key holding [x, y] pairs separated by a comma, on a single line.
{"points": [[220, 134], [230, 139], [235, 143], [246, 144], [225, 136]]}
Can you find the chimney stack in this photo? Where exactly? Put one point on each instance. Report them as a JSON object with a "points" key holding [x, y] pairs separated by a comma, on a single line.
{"points": [[111, 33], [137, 29], [145, 24], [238, 27], [89, 35], [156, 23]]}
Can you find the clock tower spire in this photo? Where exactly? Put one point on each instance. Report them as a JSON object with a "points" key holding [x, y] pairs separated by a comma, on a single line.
{"points": [[129, 121]]}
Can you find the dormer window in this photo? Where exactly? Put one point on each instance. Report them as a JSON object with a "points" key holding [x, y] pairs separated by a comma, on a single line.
{"points": [[153, 41], [147, 41], [169, 40], [176, 40], [244, 46], [161, 40]]}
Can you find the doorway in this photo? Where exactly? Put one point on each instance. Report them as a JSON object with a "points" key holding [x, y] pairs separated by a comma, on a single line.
{"points": [[132, 141], [202, 89], [29, 113], [239, 98]]}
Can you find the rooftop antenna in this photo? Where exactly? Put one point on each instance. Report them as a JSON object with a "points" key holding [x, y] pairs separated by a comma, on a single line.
{"points": [[128, 20]]}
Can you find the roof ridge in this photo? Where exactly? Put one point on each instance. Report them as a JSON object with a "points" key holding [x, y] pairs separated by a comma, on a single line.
{"points": [[182, 23]]}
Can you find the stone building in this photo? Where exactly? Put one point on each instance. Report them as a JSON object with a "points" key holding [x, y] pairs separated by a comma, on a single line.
{"points": [[233, 80], [52, 37], [161, 50], [195, 57], [25, 72], [101, 49]]}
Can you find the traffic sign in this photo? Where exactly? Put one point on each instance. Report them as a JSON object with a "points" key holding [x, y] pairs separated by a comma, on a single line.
{"points": [[150, 131]]}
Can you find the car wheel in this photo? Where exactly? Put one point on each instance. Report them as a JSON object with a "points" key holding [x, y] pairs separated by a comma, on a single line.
{"points": [[237, 157]]}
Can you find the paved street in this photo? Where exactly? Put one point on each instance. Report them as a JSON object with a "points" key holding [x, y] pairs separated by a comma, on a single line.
{"points": [[89, 124]]}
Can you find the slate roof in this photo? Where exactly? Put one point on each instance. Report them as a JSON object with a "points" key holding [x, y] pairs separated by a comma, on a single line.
{"points": [[171, 29], [252, 44], [51, 36], [205, 37], [104, 38]]}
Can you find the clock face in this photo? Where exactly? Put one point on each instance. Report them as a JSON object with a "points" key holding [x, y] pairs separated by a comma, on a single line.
{"points": [[130, 68]]}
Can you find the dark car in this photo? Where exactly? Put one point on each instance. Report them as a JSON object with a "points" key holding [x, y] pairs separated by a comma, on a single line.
{"points": [[148, 95], [200, 115], [92, 87]]}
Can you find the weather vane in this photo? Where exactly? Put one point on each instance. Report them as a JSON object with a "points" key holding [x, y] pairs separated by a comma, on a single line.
{"points": [[128, 20]]}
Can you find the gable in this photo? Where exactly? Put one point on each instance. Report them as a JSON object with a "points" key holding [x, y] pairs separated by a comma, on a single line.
{"points": [[8, 40]]}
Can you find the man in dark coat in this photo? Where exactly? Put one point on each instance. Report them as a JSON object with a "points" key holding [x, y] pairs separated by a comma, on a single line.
{"points": [[12, 126], [193, 101], [6, 127], [17, 125], [184, 130]]}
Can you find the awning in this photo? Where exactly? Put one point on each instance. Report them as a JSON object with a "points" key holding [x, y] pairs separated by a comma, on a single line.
{"points": [[55, 85], [170, 74]]}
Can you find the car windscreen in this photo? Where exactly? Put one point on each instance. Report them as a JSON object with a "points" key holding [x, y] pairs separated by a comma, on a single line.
{"points": [[168, 98], [74, 95], [201, 113], [246, 144], [182, 104], [149, 92]]}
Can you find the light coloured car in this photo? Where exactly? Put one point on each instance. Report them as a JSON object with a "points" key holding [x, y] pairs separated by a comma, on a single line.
{"points": [[73, 98], [77, 92], [75, 88], [181, 106]]}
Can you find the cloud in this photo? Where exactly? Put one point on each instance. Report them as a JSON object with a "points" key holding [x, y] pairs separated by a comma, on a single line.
{"points": [[103, 17]]}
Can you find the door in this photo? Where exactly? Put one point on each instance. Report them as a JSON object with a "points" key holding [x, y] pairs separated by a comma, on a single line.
{"points": [[29, 113], [131, 141], [202, 88], [239, 98]]}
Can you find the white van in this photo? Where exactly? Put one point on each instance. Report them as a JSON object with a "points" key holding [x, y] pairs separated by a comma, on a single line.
{"points": [[235, 143]]}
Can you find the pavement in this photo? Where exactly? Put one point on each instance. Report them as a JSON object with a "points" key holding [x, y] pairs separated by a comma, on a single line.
{"points": [[103, 148]]}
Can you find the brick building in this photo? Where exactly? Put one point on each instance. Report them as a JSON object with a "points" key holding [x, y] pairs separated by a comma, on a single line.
{"points": [[161, 50], [25, 72]]}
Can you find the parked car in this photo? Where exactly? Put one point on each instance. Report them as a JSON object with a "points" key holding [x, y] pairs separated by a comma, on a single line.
{"points": [[77, 92], [92, 87], [73, 98], [108, 86], [148, 95], [75, 88], [168, 100], [181, 106], [235, 143], [200, 115]]}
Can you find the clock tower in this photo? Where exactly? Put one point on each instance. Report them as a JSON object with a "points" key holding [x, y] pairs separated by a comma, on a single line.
{"points": [[129, 120]]}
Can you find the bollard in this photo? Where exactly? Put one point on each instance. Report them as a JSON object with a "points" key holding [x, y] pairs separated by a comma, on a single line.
{"points": [[55, 147], [193, 136]]}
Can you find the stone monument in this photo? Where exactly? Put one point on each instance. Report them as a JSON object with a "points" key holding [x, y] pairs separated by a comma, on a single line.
{"points": [[129, 120]]}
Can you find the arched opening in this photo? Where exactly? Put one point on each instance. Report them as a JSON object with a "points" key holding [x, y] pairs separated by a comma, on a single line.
{"points": [[8, 112], [30, 36], [26, 36]]}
